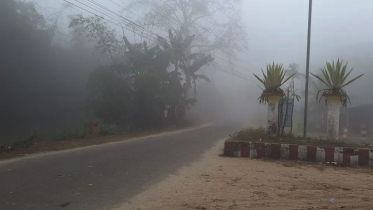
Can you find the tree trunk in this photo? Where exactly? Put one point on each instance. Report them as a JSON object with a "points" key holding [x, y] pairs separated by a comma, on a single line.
{"points": [[333, 120], [272, 119], [272, 115]]}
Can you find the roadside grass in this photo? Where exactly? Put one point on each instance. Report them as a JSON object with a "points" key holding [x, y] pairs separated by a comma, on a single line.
{"points": [[17, 144], [33, 143], [259, 135]]}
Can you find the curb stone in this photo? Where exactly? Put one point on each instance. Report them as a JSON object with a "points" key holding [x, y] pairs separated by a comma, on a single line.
{"points": [[339, 155]]}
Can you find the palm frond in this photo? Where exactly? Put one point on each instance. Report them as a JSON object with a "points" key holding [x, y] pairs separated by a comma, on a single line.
{"points": [[335, 75], [201, 76], [272, 80], [349, 82], [319, 78]]}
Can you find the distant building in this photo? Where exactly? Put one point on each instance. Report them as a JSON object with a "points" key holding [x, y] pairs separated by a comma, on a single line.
{"points": [[317, 118], [354, 117]]}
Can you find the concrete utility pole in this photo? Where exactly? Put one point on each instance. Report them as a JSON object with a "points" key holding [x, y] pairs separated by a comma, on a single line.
{"points": [[307, 69]]}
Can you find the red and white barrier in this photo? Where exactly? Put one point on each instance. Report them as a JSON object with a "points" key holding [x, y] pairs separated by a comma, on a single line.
{"points": [[346, 156]]}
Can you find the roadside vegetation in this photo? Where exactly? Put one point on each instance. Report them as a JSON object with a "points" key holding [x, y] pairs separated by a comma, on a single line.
{"points": [[127, 81], [260, 135]]}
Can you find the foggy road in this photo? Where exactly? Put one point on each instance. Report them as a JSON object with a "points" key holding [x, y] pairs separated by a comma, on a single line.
{"points": [[101, 177]]}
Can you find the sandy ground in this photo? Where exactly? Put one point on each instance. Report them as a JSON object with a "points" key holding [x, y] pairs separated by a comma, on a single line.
{"points": [[240, 183]]}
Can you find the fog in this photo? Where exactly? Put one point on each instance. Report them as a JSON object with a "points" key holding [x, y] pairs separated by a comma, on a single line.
{"points": [[44, 79]]}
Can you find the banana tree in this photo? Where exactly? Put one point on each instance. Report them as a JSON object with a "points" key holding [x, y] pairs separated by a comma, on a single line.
{"points": [[188, 64], [272, 94], [334, 76]]}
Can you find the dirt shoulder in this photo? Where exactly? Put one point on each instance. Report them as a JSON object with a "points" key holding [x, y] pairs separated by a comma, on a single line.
{"points": [[51, 146], [241, 183]]}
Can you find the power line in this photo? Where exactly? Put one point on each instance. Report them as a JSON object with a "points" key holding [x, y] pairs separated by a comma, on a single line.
{"points": [[127, 10], [105, 8], [102, 7], [231, 71], [228, 71], [106, 13], [192, 26], [216, 37], [148, 32], [121, 26], [139, 16]]}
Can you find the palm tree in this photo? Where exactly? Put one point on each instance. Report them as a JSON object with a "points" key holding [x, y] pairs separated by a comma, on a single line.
{"points": [[334, 76], [293, 70], [272, 94], [272, 82]]}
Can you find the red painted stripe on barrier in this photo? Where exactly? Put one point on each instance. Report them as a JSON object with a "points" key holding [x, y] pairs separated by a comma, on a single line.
{"points": [[260, 150], [363, 157], [329, 154], [293, 152], [346, 156], [275, 151], [245, 150], [228, 148], [311, 153]]}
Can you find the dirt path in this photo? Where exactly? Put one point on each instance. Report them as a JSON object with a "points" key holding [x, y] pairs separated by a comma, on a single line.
{"points": [[238, 183]]}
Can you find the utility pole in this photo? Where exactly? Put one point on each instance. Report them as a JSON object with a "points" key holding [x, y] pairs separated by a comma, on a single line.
{"points": [[307, 69]]}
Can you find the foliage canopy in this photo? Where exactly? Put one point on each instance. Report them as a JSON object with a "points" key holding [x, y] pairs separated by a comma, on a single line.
{"points": [[141, 82]]}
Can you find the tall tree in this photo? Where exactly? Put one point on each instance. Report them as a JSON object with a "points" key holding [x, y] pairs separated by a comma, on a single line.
{"points": [[145, 70], [216, 23], [43, 84]]}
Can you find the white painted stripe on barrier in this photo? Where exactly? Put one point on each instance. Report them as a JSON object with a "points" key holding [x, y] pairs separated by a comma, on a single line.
{"points": [[320, 154], [267, 150], [370, 158], [237, 153], [338, 156], [363, 132], [302, 152], [252, 150], [354, 159], [285, 151]]}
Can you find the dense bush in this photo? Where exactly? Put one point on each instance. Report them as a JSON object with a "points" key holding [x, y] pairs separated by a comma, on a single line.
{"points": [[43, 84]]}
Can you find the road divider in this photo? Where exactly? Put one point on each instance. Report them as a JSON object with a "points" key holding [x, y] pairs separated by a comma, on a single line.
{"points": [[337, 155]]}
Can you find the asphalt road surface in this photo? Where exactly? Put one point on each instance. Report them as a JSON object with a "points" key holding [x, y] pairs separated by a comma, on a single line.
{"points": [[104, 176]]}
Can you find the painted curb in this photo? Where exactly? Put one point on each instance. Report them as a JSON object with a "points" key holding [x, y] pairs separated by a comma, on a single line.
{"points": [[340, 155]]}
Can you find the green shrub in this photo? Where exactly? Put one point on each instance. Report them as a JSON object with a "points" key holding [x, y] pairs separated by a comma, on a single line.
{"points": [[259, 134], [112, 129], [28, 142], [251, 134], [77, 133]]}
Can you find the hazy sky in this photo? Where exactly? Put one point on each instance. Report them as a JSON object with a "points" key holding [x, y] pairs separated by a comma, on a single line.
{"points": [[277, 31]]}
